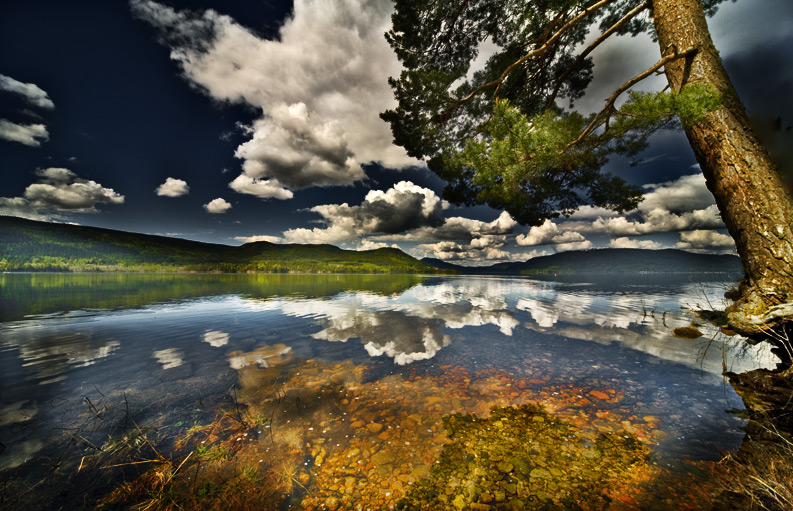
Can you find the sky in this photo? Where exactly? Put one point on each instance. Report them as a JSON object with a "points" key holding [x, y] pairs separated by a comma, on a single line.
{"points": [[231, 122]]}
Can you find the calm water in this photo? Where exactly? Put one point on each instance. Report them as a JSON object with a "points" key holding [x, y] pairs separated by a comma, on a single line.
{"points": [[362, 392]]}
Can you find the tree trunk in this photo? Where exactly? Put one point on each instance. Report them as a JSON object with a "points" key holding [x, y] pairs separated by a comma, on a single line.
{"points": [[751, 197]]}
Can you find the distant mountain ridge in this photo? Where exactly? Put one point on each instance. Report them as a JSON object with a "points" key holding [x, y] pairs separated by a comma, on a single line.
{"points": [[607, 260], [28, 245]]}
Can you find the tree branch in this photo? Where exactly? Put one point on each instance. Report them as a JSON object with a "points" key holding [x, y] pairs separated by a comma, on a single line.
{"points": [[538, 51], [605, 112], [602, 37], [542, 49]]}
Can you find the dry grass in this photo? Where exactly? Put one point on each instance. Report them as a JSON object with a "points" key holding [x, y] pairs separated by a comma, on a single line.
{"points": [[760, 477]]}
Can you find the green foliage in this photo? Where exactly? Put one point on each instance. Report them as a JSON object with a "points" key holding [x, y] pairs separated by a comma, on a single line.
{"points": [[666, 108], [524, 165], [499, 136]]}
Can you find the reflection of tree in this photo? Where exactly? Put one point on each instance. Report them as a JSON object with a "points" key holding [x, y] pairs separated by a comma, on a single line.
{"points": [[25, 294]]}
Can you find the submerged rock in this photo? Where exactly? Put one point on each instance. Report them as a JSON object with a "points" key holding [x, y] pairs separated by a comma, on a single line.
{"points": [[493, 461]]}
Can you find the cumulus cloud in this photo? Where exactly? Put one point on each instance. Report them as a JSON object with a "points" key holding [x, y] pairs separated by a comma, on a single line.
{"points": [[538, 235], [401, 208], [683, 194], [28, 134], [452, 251], [262, 188], [20, 207], [61, 190], [218, 205], [581, 244], [706, 241], [549, 233], [460, 229], [684, 204], [368, 244], [625, 242], [31, 92], [480, 251], [320, 86], [58, 190], [259, 237], [292, 147], [173, 188]]}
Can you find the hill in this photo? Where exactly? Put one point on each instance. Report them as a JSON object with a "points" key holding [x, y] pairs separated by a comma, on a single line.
{"points": [[27, 245], [608, 260]]}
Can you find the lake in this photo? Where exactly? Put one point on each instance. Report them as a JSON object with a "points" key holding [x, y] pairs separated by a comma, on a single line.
{"points": [[363, 392]]}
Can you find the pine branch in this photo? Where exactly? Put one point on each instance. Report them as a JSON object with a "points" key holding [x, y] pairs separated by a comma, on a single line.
{"points": [[533, 53], [542, 49], [602, 37], [606, 111]]}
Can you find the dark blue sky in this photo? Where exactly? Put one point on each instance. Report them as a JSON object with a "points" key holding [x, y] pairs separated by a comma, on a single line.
{"points": [[145, 91]]}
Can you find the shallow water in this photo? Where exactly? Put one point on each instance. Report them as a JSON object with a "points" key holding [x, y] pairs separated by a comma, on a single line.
{"points": [[364, 391]]}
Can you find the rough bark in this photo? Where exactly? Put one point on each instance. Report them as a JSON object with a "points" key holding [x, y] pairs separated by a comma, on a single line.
{"points": [[751, 197]]}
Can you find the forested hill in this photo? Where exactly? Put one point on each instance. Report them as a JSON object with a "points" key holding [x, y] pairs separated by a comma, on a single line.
{"points": [[27, 245], [609, 260]]}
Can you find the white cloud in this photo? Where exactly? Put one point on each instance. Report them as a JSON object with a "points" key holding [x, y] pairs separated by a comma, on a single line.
{"points": [[260, 237], [320, 85], [679, 205], [568, 237], [550, 233], [480, 251], [625, 242], [262, 188], [453, 251], [20, 207], [538, 235], [367, 244], [299, 151], [31, 92], [401, 208], [28, 134], [218, 205], [573, 245], [460, 229], [705, 240], [687, 193], [173, 188], [58, 190]]}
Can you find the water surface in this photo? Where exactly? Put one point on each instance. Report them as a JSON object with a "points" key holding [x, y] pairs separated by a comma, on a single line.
{"points": [[374, 391]]}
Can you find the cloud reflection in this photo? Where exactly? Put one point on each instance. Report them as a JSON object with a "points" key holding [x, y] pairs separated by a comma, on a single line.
{"points": [[169, 358], [215, 338], [395, 334], [417, 324], [408, 327], [48, 355]]}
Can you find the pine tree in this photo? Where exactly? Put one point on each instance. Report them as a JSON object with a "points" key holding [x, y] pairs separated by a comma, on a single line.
{"points": [[501, 138]]}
